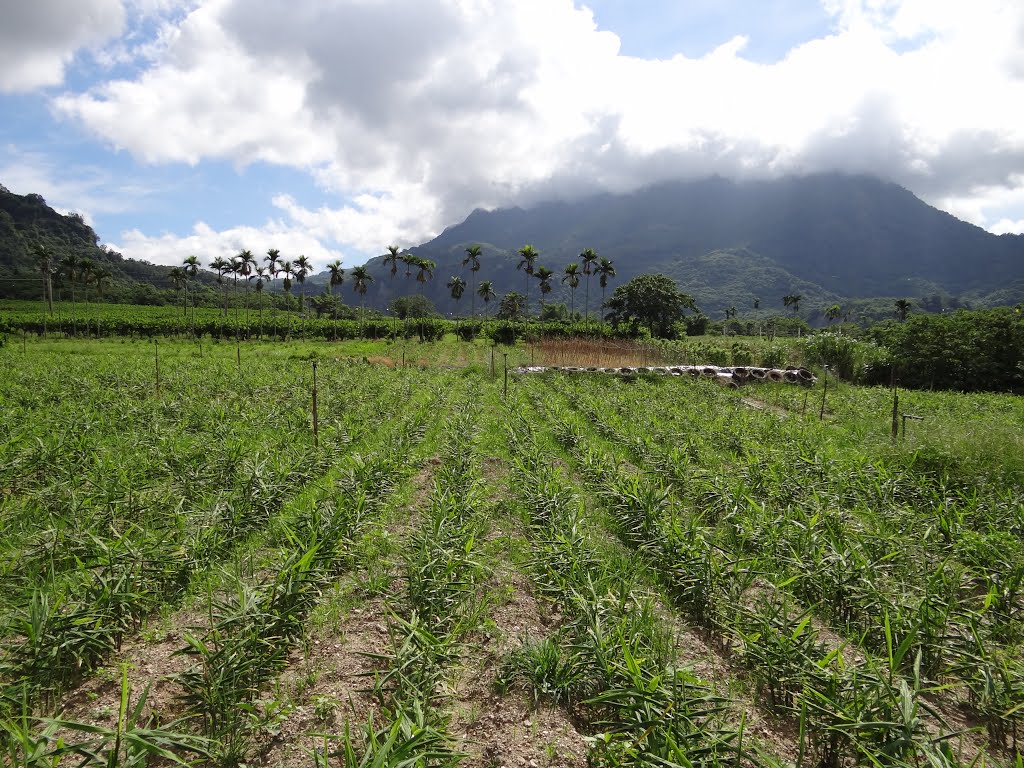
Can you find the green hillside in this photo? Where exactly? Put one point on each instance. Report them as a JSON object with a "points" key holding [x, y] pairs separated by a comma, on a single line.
{"points": [[28, 226]]}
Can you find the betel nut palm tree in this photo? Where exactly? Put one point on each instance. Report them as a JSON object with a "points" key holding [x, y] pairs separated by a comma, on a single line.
{"points": [[605, 271], [235, 268], [361, 279], [336, 279], [457, 286], [902, 309], [262, 276], [191, 266], [544, 275], [220, 265], [589, 259], [425, 271], [302, 268], [179, 280], [528, 259], [273, 256], [68, 266], [247, 263], [486, 292], [572, 277], [473, 254]]}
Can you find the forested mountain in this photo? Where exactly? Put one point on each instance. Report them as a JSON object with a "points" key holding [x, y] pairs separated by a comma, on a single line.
{"points": [[828, 237], [831, 238], [27, 223]]}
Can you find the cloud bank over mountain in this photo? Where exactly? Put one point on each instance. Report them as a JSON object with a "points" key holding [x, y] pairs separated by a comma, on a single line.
{"points": [[408, 114]]}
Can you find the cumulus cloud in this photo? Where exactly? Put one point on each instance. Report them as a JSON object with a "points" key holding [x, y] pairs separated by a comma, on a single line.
{"points": [[414, 112], [208, 243], [39, 38]]}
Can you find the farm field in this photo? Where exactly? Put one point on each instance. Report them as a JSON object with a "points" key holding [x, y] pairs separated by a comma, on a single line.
{"points": [[583, 570]]}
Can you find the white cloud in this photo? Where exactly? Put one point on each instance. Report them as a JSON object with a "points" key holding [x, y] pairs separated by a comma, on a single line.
{"points": [[208, 244], [39, 37], [421, 110]]}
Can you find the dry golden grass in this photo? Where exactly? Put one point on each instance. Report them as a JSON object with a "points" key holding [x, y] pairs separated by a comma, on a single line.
{"points": [[584, 353]]}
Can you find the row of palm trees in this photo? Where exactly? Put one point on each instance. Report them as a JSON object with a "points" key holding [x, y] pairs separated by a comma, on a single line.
{"points": [[529, 255], [75, 271], [245, 266]]}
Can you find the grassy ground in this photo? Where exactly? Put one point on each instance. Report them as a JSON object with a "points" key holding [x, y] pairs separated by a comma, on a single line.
{"points": [[580, 570]]}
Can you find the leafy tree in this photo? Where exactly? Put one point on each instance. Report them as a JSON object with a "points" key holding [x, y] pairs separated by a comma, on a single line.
{"points": [[832, 313], [324, 303], [512, 306], [556, 313], [572, 277], [652, 300], [605, 271], [415, 307], [902, 309], [473, 254], [980, 350], [589, 260], [529, 256]]}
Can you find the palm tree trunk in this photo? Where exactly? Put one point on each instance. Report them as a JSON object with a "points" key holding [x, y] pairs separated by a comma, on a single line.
{"points": [[586, 305]]}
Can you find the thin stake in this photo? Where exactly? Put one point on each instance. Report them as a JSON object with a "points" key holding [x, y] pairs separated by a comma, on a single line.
{"points": [[156, 358], [238, 352], [821, 415], [316, 419], [24, 340], [505, 355], [895, 406], [492, 362]]}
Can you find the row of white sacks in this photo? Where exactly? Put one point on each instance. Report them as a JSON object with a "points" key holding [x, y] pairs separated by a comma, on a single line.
{"points": [[729, 376]]}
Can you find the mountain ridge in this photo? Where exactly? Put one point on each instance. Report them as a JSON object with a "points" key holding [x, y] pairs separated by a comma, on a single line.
{"points": [[838, 236]]}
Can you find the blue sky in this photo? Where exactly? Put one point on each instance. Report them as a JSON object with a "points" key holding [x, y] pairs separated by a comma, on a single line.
{"points": [[334, 128]]}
